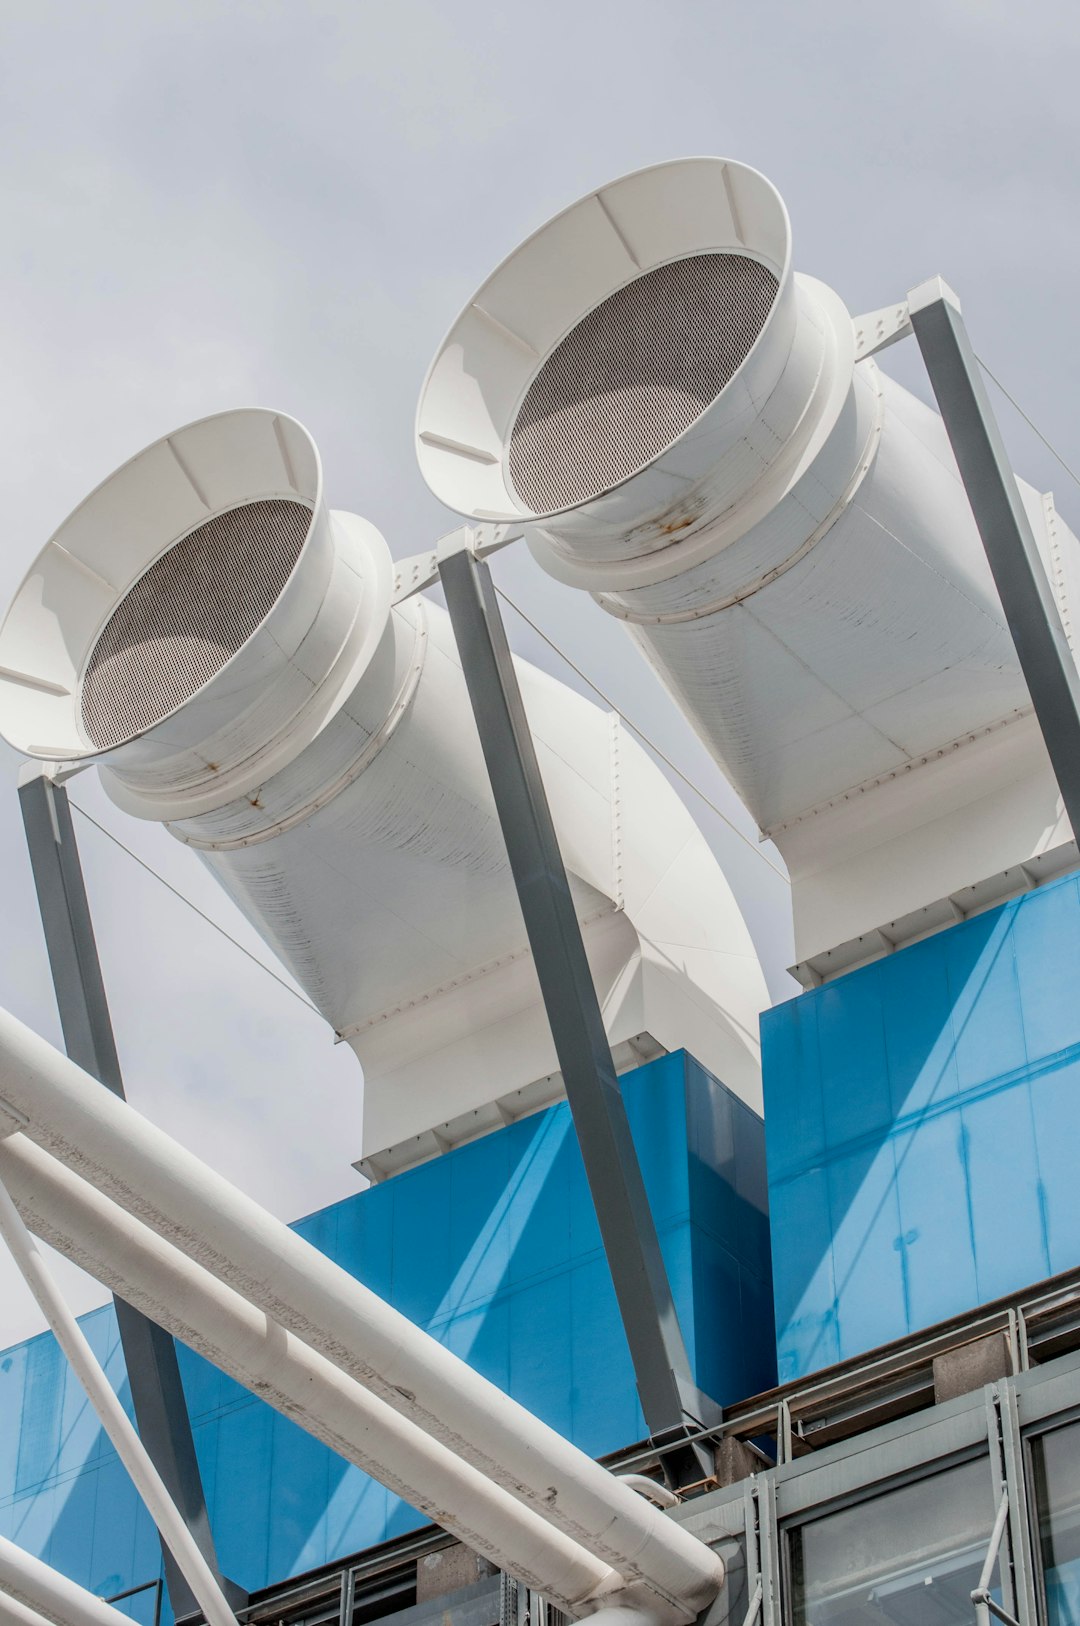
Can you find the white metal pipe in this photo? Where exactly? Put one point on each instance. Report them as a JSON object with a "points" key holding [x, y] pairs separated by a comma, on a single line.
{"points": [[113, 1418], [148, 1272], [186, 1202], [13, 1613], [31, 1590]]}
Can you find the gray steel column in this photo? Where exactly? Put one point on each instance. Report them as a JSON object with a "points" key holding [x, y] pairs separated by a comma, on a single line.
{"points": [[149, 1353], [1043, 649], [672, 1404]]}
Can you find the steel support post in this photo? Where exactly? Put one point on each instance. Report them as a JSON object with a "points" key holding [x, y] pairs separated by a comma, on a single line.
{"points": [[157, 1394], [1041, 645], [672, 1404]]}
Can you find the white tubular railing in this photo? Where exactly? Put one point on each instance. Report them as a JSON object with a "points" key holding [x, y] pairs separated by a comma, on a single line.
{"points": [[114, 1420], [31, 1591], [179, 1197], [187, 1301]]}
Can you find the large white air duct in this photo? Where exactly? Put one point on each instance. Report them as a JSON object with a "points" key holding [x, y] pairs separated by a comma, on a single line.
{"points": [[228, 650], [682, 425]]}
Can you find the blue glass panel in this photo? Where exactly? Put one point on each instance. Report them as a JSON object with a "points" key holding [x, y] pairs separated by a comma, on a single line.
{"points": [[985, 994], [920, 1042], [866, 1262], [540, 1343], [791, 1076], [240, 1510], [1055, 1106], [1046, 935], [982, 1071], [299, 1489], [603, 1398], [1003, 1181], [804, 1283], [851, 1042], [936, 1241], [115, 1512]]}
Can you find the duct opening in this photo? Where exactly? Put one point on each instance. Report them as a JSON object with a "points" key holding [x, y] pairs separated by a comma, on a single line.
{"points": [[185, 616], [634, 374]]}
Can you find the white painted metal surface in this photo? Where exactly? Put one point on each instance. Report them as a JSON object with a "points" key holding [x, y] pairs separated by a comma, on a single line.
{"points": [[114, 1420], [330, 776], [800, 565], [258, 1352], [105, 1142], [31, 1591]]}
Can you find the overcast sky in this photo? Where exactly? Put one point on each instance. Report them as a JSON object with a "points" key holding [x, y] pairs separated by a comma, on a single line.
{"points": [[210, 205]]}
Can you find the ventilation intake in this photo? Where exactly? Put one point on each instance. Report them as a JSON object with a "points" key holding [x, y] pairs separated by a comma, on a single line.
{"points": [[188, 614], [634, 374]]}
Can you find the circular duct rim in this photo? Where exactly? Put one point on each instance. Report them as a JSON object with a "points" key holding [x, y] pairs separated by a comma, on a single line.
{"points": [[537, 296], [112, 538]]}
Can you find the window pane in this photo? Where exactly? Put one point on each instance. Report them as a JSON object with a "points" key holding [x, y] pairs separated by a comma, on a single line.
{"points": [[1057, 1490], [909, 1557]]}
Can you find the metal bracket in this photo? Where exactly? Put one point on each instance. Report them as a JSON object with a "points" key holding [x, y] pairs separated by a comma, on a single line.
{"points": [[420, 570], [674, 1408], [877, 330], [149, 1353], [1042, 646]]}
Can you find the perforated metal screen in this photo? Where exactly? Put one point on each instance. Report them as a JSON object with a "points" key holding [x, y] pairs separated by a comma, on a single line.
{"points": [[188, 614], [633, 374]]}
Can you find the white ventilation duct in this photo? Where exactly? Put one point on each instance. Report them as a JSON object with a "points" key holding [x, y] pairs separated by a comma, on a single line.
{"points": [[682, 426], [227, 648]]}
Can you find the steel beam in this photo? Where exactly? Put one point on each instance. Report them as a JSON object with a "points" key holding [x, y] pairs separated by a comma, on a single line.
{"points": [[1041, 645], [672, 1404], [157, 1393]]}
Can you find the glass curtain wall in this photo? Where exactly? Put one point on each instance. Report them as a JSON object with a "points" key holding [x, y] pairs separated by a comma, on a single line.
{"points": [[855, 1567], [1055, 1458]]}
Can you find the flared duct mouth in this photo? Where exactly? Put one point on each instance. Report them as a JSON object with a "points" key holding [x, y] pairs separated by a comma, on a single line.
{"points": [[595, 348], [155, 583]]}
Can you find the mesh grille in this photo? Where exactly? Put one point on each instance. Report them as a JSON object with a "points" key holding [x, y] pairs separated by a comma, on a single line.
{"points": [[191, 610], [633, 374]]}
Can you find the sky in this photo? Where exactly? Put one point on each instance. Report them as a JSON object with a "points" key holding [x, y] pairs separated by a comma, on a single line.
{"points": [[210, 205]]}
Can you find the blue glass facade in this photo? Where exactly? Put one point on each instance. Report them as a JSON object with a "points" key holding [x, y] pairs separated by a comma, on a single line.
{"points": [[922, 1120], [494, 1248]]}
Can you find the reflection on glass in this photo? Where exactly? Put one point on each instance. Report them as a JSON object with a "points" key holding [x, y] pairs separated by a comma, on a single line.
{"points": [[1056, 1458], [907, 1557]]}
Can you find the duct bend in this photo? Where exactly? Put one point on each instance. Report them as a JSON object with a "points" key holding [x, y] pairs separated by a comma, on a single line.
{"points": [[679, 421], [226, 648]]}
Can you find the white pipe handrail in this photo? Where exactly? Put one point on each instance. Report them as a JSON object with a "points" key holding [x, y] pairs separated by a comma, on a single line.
{"points": [[148, 1272], [170, 1522], [31, 1588], [176, 1194]]}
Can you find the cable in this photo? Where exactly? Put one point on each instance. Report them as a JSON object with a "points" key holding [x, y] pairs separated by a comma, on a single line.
{"points": [[642, 736], [254, 958], [1034, 429]]}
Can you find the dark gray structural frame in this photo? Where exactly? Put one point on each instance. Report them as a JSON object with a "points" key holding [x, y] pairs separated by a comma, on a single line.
{"points": [[1007, 537], [672, 1404], [157, 1394]]}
